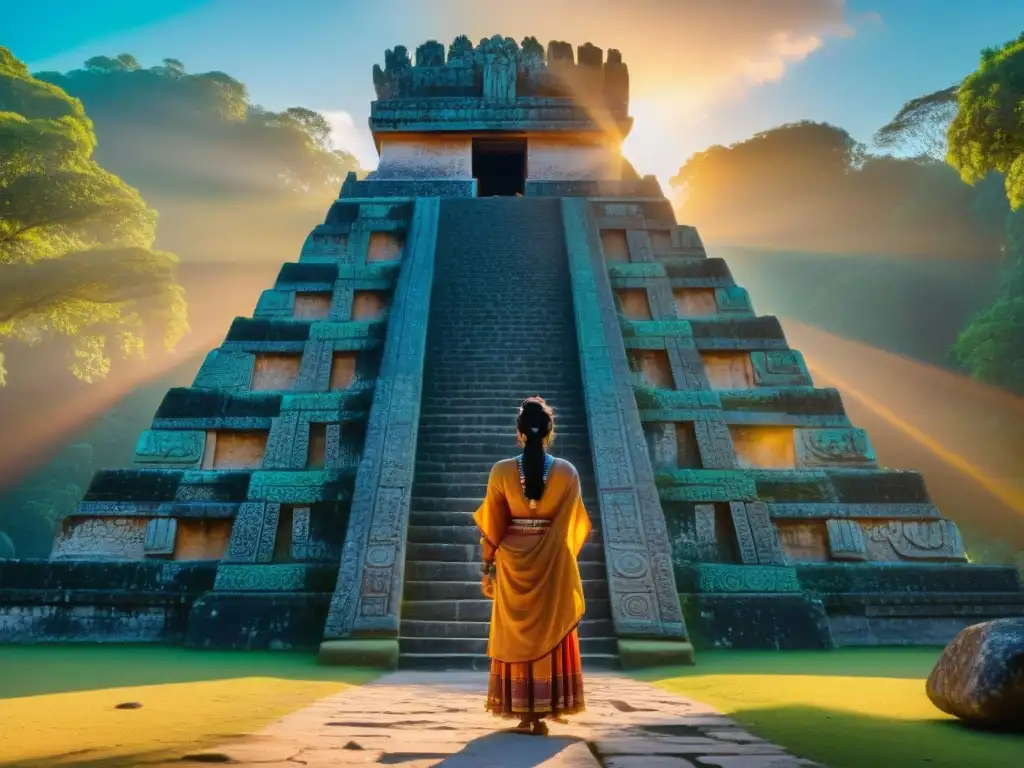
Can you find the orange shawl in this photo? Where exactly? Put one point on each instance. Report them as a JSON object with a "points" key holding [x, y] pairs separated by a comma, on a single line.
{"points": [[538, 595]]}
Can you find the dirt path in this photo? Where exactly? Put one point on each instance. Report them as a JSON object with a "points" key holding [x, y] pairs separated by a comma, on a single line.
{"points": [[417, 720]]}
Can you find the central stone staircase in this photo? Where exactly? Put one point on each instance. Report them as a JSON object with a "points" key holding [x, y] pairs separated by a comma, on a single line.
{"points": [[501, 329]]}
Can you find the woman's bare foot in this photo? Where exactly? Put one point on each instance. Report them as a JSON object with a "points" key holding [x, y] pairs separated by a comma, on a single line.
{"points": [[525, 725], [540, 728]]}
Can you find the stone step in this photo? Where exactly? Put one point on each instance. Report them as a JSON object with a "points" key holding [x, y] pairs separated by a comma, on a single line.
{"points": [[523, 377], [478, 645], [448, 552], [593, 589], [433, 512], [466, 476], [466, 506], [589, 629], [464, 521], [471, 465], [416, 570], [504, 357], [479, 610], [449, 490], [489, 446], [507, 390], [482, 405], [460, 662], [503, 420], [432, 430]]}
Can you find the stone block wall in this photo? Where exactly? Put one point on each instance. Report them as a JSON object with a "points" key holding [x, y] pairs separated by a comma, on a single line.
{"points": [[758, 471], [251, 469]]}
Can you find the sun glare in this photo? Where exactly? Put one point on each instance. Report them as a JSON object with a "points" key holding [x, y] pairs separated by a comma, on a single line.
{"points": [[656, 125]]}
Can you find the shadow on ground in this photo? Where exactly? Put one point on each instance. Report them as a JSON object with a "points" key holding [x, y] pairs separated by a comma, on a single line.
{"points": [[513, 750]]}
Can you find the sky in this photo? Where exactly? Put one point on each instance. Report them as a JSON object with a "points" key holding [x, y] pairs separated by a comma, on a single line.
{"points": [[702, 72]]}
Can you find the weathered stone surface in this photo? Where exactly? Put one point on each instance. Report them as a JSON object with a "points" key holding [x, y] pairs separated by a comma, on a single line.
{"points": [[752, 620], [980, 675], [635, 533], [374, 548], [252, 621], [391, 722]]}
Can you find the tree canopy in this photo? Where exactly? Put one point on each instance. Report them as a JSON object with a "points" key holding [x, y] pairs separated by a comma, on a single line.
{"points": [[75, 240], [987, 133], [986, 140], [921, 126], [197, 135], [810, 186]]}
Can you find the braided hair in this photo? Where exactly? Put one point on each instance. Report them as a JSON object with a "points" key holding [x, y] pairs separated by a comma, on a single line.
{"points": [[536, 427]]}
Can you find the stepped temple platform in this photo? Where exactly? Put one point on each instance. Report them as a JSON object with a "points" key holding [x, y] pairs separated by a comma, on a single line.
{"points": [[313, 488]]}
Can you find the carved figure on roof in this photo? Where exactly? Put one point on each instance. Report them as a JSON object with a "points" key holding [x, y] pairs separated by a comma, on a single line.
{"points": [[395, 78], [616, 81], [460, 52], [530, 51], [430, 54], [497, 48]]}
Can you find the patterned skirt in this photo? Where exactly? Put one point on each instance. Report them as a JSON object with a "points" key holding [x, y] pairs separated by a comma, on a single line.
{"points": [[552, 686]]}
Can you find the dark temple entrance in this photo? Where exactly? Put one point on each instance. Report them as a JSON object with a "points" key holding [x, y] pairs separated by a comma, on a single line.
{"points": [[499, 167]]}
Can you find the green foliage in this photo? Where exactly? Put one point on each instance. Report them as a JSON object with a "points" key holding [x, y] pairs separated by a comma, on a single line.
{"points": [[810, 186], [986, 141], [75, 258], [991, 347], [921, 125], [987, 133], [172, 133]]}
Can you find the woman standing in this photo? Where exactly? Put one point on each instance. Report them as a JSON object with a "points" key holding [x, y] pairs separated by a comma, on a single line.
{"points": [[533, 525]]}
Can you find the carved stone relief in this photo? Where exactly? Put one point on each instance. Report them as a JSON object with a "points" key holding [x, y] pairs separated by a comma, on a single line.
{"points": [[833, 448], [914, 540], [170, 447]]}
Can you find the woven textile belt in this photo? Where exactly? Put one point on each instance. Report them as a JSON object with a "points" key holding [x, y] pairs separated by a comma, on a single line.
{"points": [[528, 525]]}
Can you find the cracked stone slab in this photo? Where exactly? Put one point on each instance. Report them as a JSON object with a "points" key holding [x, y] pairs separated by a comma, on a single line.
{"points": [[425, 719]]}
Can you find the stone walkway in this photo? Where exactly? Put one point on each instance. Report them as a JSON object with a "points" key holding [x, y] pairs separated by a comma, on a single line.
{"points": [[415, 720]]}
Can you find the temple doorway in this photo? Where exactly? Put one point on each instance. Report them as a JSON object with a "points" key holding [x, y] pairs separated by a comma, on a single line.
{"points": [[499, 167]]}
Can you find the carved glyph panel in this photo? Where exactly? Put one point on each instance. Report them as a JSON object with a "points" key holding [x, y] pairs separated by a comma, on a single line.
{"points": [[834, 447], [913, 540], [804, 541], [275, 372], [728, 370], [101, 538], [760, 447], [170, 447]]}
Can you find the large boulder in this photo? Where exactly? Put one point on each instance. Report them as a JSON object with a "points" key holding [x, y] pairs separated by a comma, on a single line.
{"points": [[980, 675]]}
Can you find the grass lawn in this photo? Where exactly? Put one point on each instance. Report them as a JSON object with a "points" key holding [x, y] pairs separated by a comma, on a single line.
{"points": [[850, 708], [57, 703]]}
